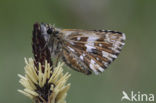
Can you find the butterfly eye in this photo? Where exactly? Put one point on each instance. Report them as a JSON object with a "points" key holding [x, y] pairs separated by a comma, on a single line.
{"points": [[49, 31]]}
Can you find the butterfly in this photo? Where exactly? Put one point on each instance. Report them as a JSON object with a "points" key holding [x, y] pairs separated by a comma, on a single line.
{"points": [[85, 51]]}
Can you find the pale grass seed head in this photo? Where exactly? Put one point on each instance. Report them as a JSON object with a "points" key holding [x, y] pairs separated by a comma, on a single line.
{"points": [[44, 87]]}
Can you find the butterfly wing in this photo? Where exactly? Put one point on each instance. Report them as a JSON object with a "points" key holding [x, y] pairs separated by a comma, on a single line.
{"points": [[87, 51]]}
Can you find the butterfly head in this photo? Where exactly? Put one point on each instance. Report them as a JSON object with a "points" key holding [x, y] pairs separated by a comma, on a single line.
{"points": [[48, 31], [52, 31]]}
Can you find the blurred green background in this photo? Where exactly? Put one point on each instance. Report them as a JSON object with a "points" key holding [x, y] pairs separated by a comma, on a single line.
{"points": [[134, 70]]}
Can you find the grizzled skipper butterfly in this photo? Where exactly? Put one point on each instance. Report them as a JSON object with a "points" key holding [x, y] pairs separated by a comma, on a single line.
{"points": [[85, 51]]}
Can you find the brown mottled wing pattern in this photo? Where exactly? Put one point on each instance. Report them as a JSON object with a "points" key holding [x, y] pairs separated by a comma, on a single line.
{"points": [[87, 51]]}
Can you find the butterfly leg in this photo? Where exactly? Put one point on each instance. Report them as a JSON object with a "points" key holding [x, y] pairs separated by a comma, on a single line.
{"points": [[57, 58]]}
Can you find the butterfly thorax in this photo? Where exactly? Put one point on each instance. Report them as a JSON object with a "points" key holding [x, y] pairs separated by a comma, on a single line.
{"points": [[53, 38]]}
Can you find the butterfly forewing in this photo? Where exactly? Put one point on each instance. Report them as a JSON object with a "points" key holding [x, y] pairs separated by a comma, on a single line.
{"points": [[87, 51]]}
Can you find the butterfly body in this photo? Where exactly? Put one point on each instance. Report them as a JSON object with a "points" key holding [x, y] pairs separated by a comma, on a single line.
{"points": [[85, 51]]}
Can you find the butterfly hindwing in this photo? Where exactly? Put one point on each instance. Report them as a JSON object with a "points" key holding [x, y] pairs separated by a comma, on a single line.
{"points": [[72, 58]]}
